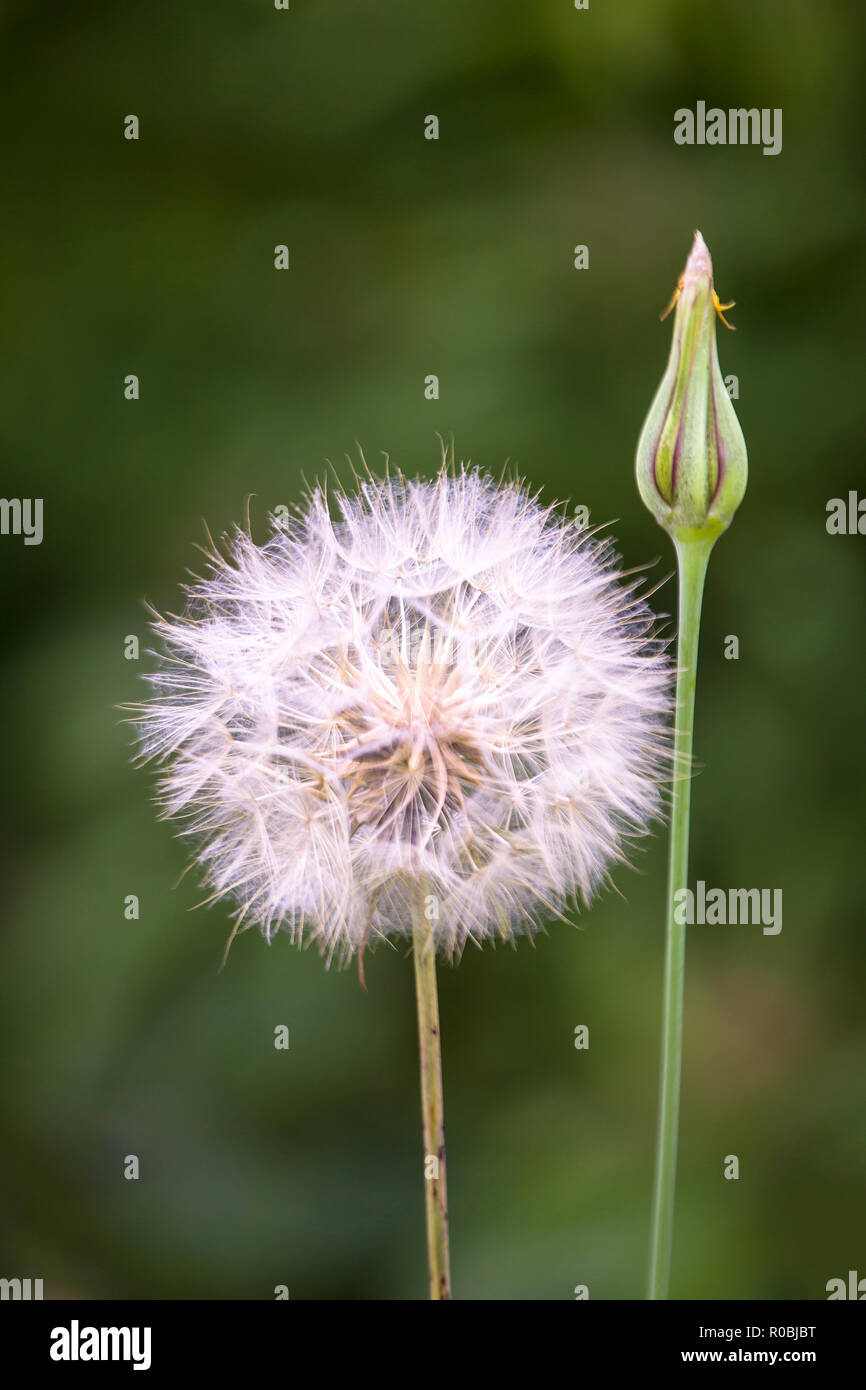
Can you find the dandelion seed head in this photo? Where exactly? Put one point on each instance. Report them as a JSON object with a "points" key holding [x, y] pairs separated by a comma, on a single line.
{"points": [[438, 684]]}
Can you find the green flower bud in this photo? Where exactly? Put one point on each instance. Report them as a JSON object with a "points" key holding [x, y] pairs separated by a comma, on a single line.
{"points": [[691, 456]]}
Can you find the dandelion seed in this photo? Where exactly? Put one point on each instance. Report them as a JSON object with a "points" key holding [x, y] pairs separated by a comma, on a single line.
{"points": [[445, 683]]}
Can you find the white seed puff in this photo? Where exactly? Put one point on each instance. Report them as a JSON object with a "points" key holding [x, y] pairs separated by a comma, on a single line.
{"points": [[443, 688]]}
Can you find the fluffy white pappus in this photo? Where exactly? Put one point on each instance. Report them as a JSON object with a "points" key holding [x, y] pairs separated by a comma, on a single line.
{"points": [[442, 693]]}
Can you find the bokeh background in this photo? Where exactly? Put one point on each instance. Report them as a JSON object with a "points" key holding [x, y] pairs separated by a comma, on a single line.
{"points": [[410, 257]]}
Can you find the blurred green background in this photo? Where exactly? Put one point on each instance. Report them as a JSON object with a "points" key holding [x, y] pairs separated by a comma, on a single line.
{"points": [[410, 257]]}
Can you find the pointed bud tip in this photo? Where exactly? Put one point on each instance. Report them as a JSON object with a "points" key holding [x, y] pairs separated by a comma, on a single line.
{"points": [[699, 265]]}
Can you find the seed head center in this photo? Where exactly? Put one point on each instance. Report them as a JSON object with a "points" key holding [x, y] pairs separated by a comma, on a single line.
{"points": [[406, 752]]}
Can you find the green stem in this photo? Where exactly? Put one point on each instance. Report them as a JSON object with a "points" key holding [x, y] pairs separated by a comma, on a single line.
{"points": [[432, 1105], [692, 557]]}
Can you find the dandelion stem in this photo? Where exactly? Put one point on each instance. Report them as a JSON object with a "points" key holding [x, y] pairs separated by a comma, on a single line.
{"points": [[692, 558], [432, 1105]]}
